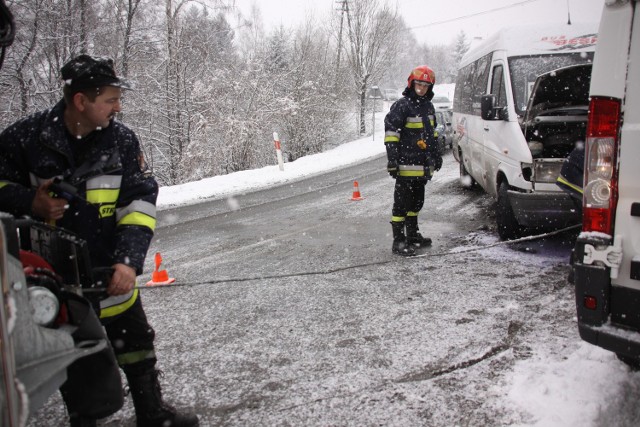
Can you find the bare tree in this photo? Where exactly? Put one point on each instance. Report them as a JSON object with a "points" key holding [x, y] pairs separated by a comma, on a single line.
{"points": [[45, 38], [372, 33]]}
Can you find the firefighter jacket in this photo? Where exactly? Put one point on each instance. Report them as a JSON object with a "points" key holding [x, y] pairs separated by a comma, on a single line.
{"points": [[114, 209], [409, 136], [571, 174]]}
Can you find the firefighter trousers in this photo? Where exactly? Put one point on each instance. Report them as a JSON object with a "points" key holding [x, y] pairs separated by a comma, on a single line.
{"points": [[408, 196]]}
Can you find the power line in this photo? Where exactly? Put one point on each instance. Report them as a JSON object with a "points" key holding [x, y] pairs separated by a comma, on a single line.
{"points": [[474, 14]]}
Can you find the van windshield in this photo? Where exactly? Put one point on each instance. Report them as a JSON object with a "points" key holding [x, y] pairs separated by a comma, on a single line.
{"points": [[525, 69]]}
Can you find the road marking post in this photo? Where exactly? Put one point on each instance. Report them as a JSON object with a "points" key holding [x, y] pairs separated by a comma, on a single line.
{"points": [[276, 142]]}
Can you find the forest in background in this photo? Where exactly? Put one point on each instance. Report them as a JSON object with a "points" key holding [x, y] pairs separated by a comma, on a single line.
{"points": [[211, 85]]}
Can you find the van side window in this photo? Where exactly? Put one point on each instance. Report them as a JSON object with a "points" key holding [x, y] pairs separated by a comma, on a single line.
{"points": [[463, 98], [498, 87], [480, 78], [471, 84]]}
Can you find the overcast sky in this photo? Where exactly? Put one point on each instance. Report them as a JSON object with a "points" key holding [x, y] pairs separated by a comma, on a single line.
{"points": [[439, 21]]}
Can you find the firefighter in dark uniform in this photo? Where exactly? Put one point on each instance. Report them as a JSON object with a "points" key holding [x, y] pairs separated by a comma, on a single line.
{"points": [[572, 175], [80, 142], [413, 155]]}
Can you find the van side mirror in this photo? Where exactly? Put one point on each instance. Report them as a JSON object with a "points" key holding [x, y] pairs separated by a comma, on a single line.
{"points": [[487, 104], [489, 111]]}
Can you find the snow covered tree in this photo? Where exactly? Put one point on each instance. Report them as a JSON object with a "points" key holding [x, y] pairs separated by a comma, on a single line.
{"points": [[461, 46], [312, 114], [372, 35]]}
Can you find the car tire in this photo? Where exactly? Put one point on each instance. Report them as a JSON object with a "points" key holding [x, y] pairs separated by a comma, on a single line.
{"points": [[508, 227], [466, 180]]}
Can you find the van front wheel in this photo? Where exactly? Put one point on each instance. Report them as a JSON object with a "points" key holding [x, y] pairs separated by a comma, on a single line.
{"points": [[508, 227], [466, 180]]}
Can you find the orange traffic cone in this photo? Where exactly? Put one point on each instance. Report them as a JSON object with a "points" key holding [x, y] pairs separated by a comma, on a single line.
{"points": [[356, 192], [160, 277]]}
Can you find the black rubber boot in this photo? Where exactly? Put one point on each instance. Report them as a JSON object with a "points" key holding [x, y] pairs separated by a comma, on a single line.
{"points": [[400, 245], [413, 235], [151, 411]]}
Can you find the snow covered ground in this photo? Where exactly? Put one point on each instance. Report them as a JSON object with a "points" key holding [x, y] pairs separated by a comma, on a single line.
{"points": [[559, 382], [589, 387]]}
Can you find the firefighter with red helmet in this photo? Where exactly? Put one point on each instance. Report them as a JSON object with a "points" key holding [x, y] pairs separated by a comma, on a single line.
{"points": [[413, 156]]}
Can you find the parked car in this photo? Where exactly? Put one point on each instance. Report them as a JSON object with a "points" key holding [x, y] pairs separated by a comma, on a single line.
{"points": [[391, 94], [510, 145], [444, 129], [607, 253], [442, 103]]}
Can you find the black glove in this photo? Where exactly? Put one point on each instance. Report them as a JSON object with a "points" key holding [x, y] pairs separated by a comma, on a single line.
{"points": [[437, 163], [392, 168], [428, 173]]}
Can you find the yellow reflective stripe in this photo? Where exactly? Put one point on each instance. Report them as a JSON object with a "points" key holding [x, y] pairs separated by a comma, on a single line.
{"points": [[105, 182], [414, 125], [411, 167], [411, 170], [138, 218], [4, 183], [135, 357], [102, 196], [137, 212], [411, 173], [391, 136], [561, 180], [410, 213], [104, 190], [435, 133], [119, 308], [137, 206], [397, 219]]}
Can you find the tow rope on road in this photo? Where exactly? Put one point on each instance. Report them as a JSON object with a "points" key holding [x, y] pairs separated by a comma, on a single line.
{"points": [[351, 267]]}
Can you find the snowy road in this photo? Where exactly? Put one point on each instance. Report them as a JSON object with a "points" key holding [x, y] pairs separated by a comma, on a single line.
{"points": [[294, 312]]}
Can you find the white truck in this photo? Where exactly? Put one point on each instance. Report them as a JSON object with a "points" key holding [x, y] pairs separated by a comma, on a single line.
{"points": [[607, 252]]}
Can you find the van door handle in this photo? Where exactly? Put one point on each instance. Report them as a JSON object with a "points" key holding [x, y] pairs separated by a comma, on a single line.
{"points": [[486, 127]]}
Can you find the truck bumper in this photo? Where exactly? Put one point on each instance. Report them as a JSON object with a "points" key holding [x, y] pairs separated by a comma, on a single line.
{"points": [[544, 209], [608, 315]]}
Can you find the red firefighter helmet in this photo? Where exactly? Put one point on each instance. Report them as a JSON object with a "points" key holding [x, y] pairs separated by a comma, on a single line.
{"points": [[422, 73]]}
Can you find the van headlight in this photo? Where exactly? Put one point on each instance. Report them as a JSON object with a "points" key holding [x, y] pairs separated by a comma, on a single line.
{"points": [[547, 171]]}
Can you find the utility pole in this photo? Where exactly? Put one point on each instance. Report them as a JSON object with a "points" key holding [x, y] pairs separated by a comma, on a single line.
{"points": [[344, 7]]}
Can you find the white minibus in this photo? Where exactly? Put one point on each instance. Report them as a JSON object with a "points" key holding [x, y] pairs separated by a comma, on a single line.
{"points": [[511, 144]]}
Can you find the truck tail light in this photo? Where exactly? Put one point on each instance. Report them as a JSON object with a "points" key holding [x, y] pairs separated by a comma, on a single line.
{"points": [[601, 159], [590, 302]]}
